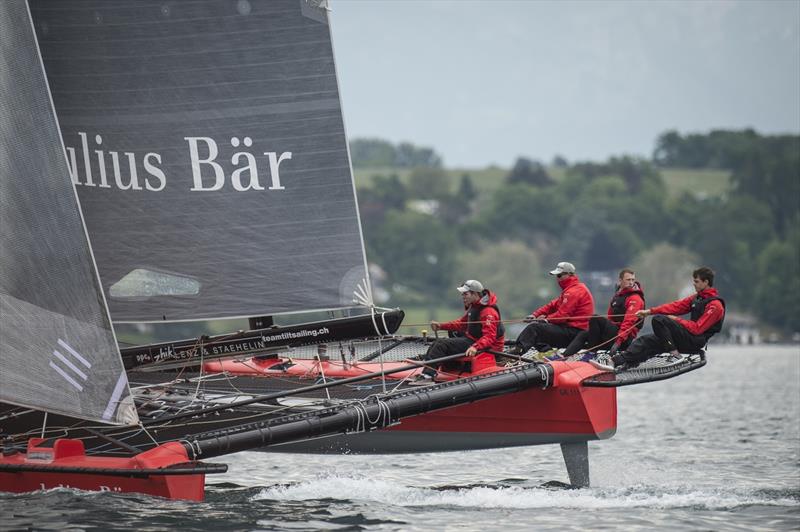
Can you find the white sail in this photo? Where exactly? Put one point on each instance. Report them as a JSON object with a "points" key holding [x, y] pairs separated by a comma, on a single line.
{"points": [[207, 145], [57, 348]]}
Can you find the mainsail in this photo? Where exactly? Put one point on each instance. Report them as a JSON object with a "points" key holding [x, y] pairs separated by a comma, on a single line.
{"points": [[207, 145], [57, 349]]}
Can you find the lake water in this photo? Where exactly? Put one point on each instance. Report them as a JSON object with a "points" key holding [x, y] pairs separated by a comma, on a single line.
{"points": [[716, 449]]}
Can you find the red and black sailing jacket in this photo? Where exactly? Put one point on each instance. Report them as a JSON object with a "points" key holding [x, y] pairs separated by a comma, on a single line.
{"points": [[573, 307], [707, 312], [481, 323], [622, 311]]}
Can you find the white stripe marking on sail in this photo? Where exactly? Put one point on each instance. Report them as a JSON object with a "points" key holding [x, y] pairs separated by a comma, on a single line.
{"points": [[114, 401], [74, 353], [64, 374], [70, 365]]}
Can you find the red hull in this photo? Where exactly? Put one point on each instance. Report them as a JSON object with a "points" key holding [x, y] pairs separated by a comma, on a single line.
{"points": [[565, 408], [565, 411], [92, 476]]}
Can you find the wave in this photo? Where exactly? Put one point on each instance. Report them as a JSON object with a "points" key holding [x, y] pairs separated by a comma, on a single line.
{"points": [[362, 489]]}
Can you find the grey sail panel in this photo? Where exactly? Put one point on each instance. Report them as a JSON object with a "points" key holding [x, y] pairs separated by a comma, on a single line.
{"points": [[208, 148], [57, 348]]}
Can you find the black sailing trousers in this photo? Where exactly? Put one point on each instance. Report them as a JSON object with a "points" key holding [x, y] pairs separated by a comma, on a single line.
{"points": [[667, 335], [542, 332], [444, 347], [602, 334]]}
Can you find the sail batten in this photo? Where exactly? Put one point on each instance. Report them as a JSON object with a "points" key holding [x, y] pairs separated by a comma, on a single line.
{"points": [[207, 145]]}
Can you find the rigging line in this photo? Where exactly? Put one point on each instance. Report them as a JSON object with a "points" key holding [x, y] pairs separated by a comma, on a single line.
{"points": [[522, 320], [398, 385], [545, 377], [385, 326], [394, 388], [448, 373], [387, 414], [194, 445], [359, 417], [322, 372], [315, 387], [380, 343], [141, 425], [208, 377], [16, 412], [117, 443], [366, 414], [619, 333], [230, 381], [147, 401], [380, 359], [103, 448], [423, 365], [62, 431], [163, 384], [199, 346], [363, 421], [569, 363]]}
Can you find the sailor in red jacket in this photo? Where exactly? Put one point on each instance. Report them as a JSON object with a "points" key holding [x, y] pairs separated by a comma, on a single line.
{"points": [[479, 328], [560, 322], [673, 334], [622, 324]]}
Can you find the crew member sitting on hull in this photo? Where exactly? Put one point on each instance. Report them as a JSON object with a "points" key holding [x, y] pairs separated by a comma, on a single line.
{"points": [[480, 329], [618, 330], [674, 334], [560, 322]]}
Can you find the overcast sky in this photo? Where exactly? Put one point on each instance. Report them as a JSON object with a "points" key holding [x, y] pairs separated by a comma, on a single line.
{"points": [[484, 82]]}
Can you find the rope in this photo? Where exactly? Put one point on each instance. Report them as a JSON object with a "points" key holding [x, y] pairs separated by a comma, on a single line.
{"points": [[360, 415], [380, 342], [385, 326], [318, 363], [194, 445], [610, 340], [363, 421], [142, 427], [383, 412], [545, 377], [523, 320], [202, 363]]}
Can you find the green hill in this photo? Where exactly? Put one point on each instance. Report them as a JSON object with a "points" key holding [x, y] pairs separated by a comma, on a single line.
{"points": [[699, 182]]}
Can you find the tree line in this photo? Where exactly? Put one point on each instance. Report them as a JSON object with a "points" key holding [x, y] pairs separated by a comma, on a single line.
{"points": [[429, 228]]}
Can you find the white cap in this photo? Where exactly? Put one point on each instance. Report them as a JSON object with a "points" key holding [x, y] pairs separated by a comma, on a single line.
{"points": [[563, 267], [471, 286]]}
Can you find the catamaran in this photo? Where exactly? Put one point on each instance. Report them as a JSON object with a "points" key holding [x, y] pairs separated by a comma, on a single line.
{"points": [[188, 161]]}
